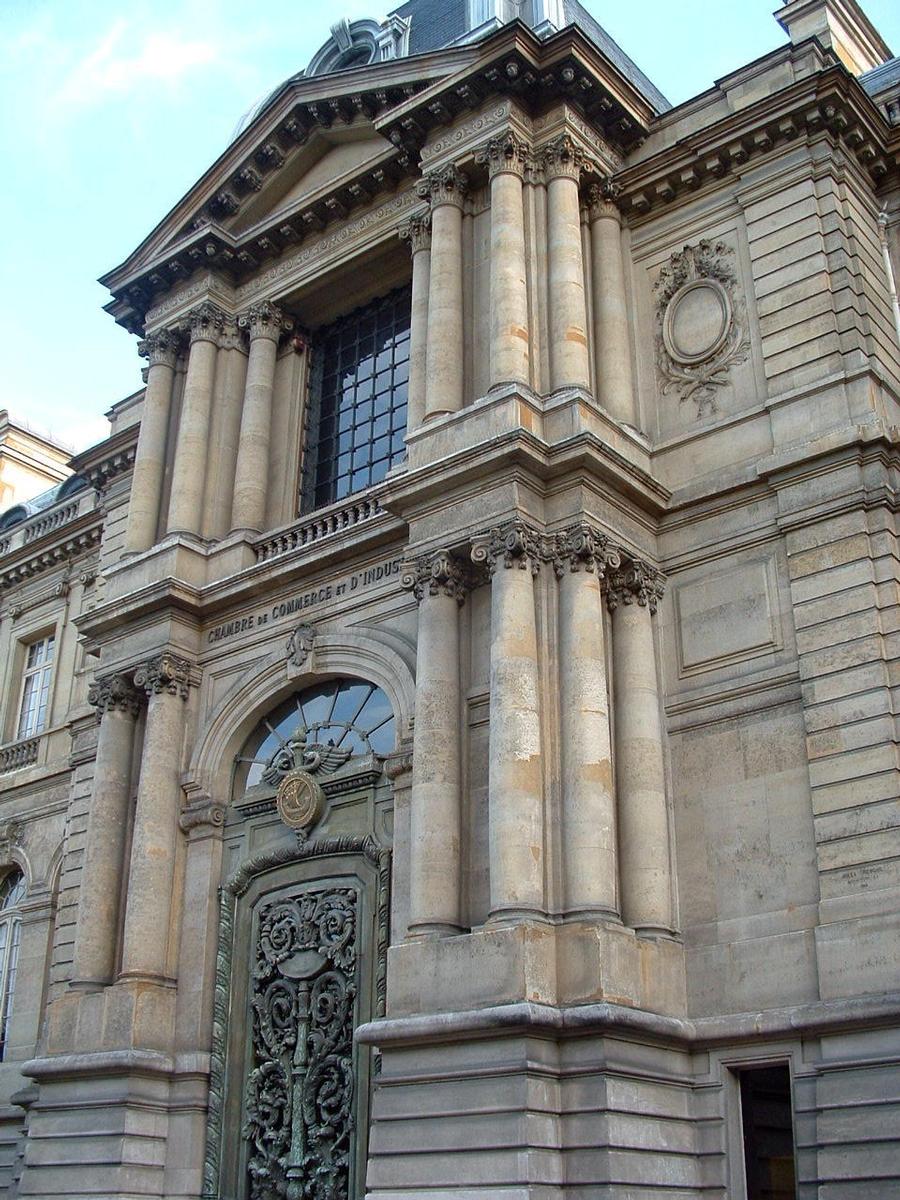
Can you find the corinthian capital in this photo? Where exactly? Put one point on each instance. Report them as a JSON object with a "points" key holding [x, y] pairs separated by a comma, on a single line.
{"points": [[265, 320], [504, 154], [417, 231], [435, 574], [562, 159], [167, 673], [512, 545], [635, 582], [115, 693], [603, 199], [207, 322], [447, 185], [160, 347], [582, 548]]}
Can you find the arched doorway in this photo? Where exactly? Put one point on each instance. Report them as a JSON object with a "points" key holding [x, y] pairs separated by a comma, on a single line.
{"points": [[302, 948]]}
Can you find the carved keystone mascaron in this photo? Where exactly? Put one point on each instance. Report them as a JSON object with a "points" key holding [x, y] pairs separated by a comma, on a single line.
{"points": [[635, 582], [167, 673], [512, 545], [116, 693], [435, 574]]}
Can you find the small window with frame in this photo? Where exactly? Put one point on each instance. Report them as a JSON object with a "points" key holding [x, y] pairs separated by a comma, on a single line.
{"points": [[767, 1132], [12, 893], [37, 673]]}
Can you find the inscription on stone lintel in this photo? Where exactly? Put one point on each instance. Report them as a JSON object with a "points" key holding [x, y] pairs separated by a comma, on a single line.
{"points": [[304, 601]]}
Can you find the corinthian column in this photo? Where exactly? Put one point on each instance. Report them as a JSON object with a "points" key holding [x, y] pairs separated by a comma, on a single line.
{"points": [[417, 231], [569, 363], [632, 595], [515, 775], [611, 342], [101, 874], [506, 158], [189, 471], [161, 350], [264, 323], [154, 839], [588, 804], [438, 583], [444, 354]]}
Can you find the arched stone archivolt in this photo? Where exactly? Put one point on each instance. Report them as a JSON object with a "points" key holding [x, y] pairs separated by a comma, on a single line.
{"points": [[359, 654]]}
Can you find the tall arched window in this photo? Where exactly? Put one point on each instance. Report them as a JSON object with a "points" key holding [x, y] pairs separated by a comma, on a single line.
{"points": [[12, 893]]}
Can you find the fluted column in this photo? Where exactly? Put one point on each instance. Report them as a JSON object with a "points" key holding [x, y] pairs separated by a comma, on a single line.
{"points": [[615, 389], [154, 839], [444, 354], [438, 583], [567, 313], [189, 472], [417, 231], [506, 158], [97, 930], [161, 350], [264, 324], [590, 887], [632, 595], [515, 773]]}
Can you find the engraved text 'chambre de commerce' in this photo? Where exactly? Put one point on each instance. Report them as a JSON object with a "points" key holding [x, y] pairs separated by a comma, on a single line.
{"points": [[305, 600]]}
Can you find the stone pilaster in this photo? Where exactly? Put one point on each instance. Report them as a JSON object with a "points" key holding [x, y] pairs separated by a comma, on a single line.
{"points": [[145, 947], [633, 593], [189, 471], [161, 351], [439, 584], [417, 231], [612, 349], [589, 857], [118, 704], [264, 324], [506, 158], [515, 777], [446, 190], [562, 162]]}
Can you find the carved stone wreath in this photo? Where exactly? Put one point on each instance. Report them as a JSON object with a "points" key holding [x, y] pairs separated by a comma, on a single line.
{"points": [[700, 323]]}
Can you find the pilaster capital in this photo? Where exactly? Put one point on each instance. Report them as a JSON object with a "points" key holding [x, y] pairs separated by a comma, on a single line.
{"points": [[207, 323], [166, 673], [265, 320], [603, 200], [417, 231], [435, 574], [447, 185], [202, 812], [115, 693], [562, 158], [511, 545], [506, 154], [160, 347], [583, 548], [635, 582]]}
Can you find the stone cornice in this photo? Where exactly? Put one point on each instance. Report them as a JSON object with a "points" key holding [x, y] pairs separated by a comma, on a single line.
{"points": [[108, 459], [829, 102], [55, 549]]}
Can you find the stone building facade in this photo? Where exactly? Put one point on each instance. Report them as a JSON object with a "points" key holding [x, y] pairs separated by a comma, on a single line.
{"points": [[450, 725]]}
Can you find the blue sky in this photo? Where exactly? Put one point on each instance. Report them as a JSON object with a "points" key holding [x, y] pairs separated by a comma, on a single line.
{"points": [[111, 111]]}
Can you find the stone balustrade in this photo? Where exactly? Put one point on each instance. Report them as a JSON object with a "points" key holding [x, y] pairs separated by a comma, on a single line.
{"points": [[18, 755], [324, 524]]}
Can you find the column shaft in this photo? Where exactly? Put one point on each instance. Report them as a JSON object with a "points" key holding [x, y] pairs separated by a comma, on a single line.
{"points": [[189, 471], [97, 930], [615, 389], [248, 510], [515, 772], [444, 353], [646, 876], [510, 350], [154, 840], [569, 363], [435, 801], [228, 399], [150, 456], [588, 805], [418, 232]]}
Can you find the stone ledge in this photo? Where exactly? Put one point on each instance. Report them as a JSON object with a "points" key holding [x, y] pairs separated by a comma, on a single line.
{"points": [[108, 1062]]}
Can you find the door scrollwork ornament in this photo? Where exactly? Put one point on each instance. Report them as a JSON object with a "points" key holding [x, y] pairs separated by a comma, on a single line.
{"points": [[701, 327]]}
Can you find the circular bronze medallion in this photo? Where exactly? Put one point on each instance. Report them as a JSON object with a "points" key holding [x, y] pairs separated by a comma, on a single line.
{"points": [[299, 800]]}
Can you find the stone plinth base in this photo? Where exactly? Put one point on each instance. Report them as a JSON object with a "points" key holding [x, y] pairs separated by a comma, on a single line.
{"points": [[132, 1014]]}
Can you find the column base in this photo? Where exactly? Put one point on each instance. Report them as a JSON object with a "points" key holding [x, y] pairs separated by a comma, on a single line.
{"points": [[425, 931]]}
